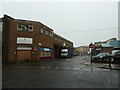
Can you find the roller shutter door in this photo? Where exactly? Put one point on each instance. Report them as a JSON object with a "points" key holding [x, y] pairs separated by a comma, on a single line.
{"points": [[23, 55]]}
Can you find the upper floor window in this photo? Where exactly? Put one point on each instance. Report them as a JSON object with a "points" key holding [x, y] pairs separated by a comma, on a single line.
{"points": [[58, 39], [42, 30], [24, 27], [46, 32], [55, 38], [51, 34]]}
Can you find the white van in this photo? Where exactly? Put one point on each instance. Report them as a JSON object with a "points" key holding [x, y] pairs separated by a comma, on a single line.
{"points": [[113, 51], [64, 52]]}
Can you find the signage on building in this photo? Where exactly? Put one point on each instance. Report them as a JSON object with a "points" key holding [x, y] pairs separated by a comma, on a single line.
{"points": [[46, 49], [98, 48], [24, 48], [21, 40]]}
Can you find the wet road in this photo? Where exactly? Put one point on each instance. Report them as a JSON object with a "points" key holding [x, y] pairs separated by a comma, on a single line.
{"points": [[61, 73]]}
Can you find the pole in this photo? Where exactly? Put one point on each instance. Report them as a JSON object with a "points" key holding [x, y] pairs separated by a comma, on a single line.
{"points": [[91, 55], [35, 56], [109, 62]]}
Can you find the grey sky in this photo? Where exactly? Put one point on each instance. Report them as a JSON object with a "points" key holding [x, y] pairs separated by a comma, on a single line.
{"points": [[79, 22]]}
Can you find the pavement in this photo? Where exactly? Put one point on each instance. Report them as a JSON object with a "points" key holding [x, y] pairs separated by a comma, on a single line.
{"points": [[103, 65], [85, 61]]}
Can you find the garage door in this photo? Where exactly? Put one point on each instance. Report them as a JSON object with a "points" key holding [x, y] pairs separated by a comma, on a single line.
{"points": [[24, 56]]}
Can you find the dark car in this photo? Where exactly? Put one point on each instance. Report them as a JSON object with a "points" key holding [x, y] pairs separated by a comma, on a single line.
{"points": [[116, 55], [101, 56]]}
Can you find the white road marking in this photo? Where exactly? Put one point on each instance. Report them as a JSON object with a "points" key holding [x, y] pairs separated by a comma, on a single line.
{"points": [[42, 67], [76, 68], [67, 68]]}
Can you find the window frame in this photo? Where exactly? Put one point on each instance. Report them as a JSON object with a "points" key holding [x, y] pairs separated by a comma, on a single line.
{"points": [[41, 30], [24, 27]]}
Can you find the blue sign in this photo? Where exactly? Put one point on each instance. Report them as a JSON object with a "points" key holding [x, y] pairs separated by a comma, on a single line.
{"points": [[41, 49], [46, 49]]}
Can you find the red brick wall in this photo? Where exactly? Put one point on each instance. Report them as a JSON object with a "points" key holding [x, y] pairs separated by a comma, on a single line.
{"points": [[38, 37]]}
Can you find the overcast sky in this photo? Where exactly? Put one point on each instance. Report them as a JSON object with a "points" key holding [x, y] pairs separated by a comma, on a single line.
{"points": [[79, 22]]}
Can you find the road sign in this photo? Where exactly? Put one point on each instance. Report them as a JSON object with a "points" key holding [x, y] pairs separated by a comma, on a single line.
{"points": [[35, 49], [91, 45]]}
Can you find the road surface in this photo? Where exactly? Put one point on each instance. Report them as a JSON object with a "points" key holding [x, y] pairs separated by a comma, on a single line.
{"points": [[59, 73]]}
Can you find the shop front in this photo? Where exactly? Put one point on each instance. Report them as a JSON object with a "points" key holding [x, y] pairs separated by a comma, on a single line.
{"points": [[45, 53]]}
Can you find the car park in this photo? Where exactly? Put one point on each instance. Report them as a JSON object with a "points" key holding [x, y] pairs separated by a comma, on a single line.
{"points": [[101, 56]]}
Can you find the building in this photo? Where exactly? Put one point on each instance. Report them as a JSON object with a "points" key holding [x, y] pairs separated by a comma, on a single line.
{"points": [[106, 46], [24, 40], [76, 51], [83, 50]]}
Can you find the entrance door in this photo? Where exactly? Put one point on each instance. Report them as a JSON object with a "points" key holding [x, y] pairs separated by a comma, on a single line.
{"points": [[24, 56]]}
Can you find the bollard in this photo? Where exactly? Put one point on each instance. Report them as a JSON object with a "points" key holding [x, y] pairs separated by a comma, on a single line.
{"points": [[110, 62], [91, 59]]}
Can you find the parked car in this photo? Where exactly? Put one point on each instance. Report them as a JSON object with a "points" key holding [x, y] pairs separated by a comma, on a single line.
{"points": [[116, 55], [102, 56]]}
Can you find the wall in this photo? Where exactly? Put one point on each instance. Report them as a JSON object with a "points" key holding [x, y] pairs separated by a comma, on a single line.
{"points": [[10, 34]]}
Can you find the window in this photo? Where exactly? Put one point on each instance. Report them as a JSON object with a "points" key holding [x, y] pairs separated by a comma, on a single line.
{"points": [[44, 27], [51, 34], [30, 27], [42, 30], [24, 27], [49, 54], [55, 38], [45, 54], [47, 32], [58, 39], [19, 27], [41, 54]]}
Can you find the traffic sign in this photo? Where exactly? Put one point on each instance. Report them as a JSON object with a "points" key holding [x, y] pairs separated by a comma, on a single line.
{"points": [[35, 49], [91, 45]]}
